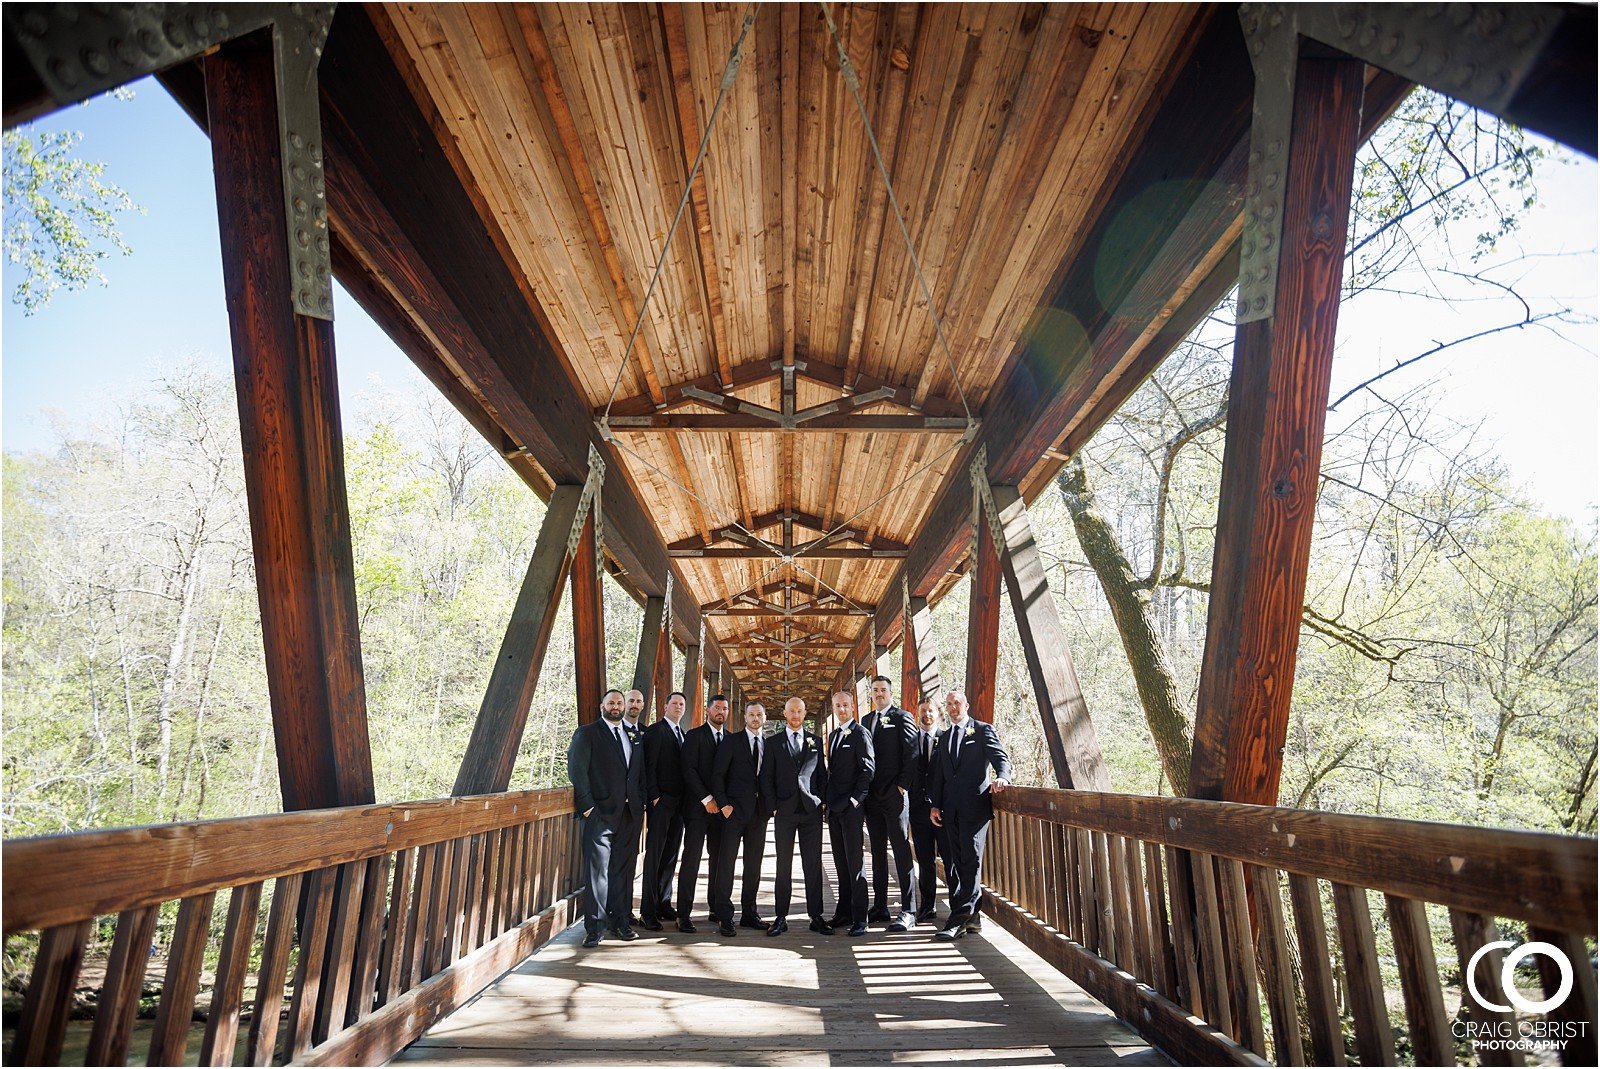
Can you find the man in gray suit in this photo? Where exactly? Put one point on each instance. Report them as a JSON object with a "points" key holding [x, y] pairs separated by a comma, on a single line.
{"points": [[607, 772], [969, 766]]}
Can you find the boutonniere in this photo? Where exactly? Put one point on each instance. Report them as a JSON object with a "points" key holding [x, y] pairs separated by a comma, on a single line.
{"points": [[811, 744], [971, 731]]}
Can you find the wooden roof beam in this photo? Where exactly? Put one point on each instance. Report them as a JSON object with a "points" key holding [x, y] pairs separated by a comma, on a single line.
{"points": [[831, 423]]}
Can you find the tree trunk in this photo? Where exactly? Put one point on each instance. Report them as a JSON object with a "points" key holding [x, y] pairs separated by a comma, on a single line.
{"points": [[1136, 624], [175, 655]]}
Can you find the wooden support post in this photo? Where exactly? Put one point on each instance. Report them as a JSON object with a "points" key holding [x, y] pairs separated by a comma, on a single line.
{"points": [[694, 698], [497, 734], [1068, 731], [588, 625], [645, 672], [1271, 463], [293, 451], [983, 625], [919, 663], [662, 686]]}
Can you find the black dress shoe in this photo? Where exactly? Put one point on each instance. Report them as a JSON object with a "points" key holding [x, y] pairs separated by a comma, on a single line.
{"points": [[624, 933], [877, 916], [750, 920], [974, 926], [928, 916], [955, 931], [859, 928], [667, 913], [727, 930], [591, 940], [650, 924], [822, 927], [779, 926], [839, 920], [685, 926], [902, 922]]}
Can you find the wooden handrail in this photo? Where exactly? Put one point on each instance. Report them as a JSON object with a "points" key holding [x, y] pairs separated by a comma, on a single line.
{"points": [[1186, 917], [1545, 879], [399, 914], [58, 879]]}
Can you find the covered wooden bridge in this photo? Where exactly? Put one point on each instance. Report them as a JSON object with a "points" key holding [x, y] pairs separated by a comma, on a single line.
{"points": [[787, 311]]}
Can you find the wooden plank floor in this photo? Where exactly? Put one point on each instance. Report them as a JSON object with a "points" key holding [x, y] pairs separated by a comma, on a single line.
{"points": [[799, 999]]}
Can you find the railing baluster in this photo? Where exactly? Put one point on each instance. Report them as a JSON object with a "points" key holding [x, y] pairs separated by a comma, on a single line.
{"points": [[1273, 946], [1575, 1011], [1431, 1041], [1104, 896], [439, 909], [1061, 866], [314, 927], [1364, 985], [175, 1012], [455, 927], [1164, 979], [1121, 904], [416, 951], [1088, 904], [1322, 1009], [227, 995], [1241, 956], [112, 1033], [369, 940], [513, 881], [475, 905], [1208, 928], [334, 994], [1138, 912], [1186, 944], [275, 947], [395, 964], [48, 1003], [1473, 931]]}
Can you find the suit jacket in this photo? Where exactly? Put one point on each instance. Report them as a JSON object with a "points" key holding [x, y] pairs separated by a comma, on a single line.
{"points": [[894, 749], [850, 766], [735, 780], [663, 765], [961, 784], [600, 780], [922, 779], [699, 755], [785, 777]]}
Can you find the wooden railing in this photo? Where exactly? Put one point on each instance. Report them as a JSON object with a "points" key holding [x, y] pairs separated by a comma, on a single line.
{"points": [[378, 920], [1186, 918]]}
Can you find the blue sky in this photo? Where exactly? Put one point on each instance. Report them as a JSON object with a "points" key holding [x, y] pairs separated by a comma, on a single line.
{"points": [[1536, 393]]}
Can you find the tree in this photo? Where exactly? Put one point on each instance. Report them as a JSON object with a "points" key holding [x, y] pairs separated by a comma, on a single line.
{"points": [[60, 215]]}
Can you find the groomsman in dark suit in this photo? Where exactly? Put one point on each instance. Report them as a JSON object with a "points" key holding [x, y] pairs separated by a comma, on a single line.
{"points": [[663, 789], [633, 718], [850, 765], [888, 806], [607, 773], [736, 783], [794, 780], [702, 820], [926, 839], [971, 766]]}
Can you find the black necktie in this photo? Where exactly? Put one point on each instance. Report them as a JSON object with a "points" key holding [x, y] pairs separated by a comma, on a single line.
{"points": [[622, 749], [755, 752], [927, 745], [955, 743]]}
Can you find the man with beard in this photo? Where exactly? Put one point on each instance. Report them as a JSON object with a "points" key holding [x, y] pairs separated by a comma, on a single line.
{"points": [[702, 819], [736, 782], [926, 840], [850, 766], [663, 782], [888, 805], [633, 715], [607, 773]]}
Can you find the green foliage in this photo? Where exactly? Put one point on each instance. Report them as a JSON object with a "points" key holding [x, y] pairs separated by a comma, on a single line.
{"points": [[60, 215]]}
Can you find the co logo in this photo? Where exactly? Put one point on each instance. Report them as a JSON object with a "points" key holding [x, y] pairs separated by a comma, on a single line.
{"points": [[1526, 950]]}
